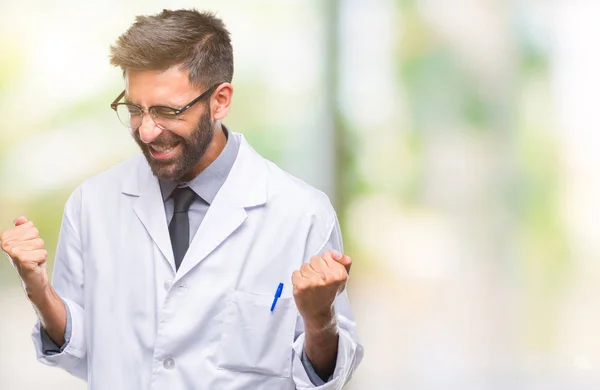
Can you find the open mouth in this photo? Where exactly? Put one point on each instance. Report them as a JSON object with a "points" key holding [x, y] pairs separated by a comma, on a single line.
{"points": [[162, 152]]}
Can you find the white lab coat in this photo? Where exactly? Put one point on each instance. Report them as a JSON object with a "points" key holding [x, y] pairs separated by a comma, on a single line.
{"points": [[137, 324]]}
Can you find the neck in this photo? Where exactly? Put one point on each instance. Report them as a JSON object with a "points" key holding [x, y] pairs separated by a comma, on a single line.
{"points": [[216, 146]]}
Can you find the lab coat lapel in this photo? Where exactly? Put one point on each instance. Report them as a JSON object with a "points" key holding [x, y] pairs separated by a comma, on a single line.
{"points": [[221, 220], [244, 187], [149, 208]]}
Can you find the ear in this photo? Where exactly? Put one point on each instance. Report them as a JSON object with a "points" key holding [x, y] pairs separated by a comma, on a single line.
{"points": [[221, 100]]}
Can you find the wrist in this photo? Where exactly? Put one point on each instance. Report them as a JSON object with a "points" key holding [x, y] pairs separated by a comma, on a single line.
{"points": [[34, 280], [40, 294], [322, 323], [321, 348]]}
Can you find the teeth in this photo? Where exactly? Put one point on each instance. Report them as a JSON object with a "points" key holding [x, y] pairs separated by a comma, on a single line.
{"points": [[164, 150]]}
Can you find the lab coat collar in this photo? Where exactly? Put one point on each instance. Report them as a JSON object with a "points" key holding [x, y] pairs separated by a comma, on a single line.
{"points": [[245, 187]]}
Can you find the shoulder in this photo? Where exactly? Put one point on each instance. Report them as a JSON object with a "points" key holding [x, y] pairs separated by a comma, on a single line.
{"points": [[115, 176], [286, 193], [98, 188], [290, 192], [307, 211], [111, 180]]}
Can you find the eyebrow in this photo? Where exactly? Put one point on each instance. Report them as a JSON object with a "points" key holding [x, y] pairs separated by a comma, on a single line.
{"points": [[127, 100]]}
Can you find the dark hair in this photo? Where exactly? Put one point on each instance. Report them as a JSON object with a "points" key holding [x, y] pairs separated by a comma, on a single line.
{"points": [[197, 41]]}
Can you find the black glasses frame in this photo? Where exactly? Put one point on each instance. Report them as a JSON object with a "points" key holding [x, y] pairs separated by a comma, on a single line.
{"points": [[176, 111]]}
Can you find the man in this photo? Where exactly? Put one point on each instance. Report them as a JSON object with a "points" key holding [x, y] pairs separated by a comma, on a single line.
{"points": [[199, 265]]}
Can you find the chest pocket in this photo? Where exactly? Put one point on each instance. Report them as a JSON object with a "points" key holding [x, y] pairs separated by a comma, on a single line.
{"points": [[255, 339]]}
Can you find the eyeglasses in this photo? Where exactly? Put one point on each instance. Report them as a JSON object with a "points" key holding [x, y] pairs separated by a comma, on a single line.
{"points": [[131, 115]]}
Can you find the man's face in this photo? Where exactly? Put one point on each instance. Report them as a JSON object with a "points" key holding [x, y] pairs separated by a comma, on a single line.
{"points": [[171, 152]]}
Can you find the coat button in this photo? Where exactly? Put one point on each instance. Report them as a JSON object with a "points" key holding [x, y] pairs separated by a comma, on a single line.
{"points": [[168, 284], [169, 363]]}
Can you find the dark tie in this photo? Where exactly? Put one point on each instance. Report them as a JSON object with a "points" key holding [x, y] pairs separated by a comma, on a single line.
{"points": [[179, 228]]}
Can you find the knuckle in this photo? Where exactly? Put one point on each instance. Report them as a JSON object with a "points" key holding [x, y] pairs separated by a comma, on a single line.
{"points": [[303, 285], [27, 258], [340, 272], [35, 231], [298, 292], [340, 267]]}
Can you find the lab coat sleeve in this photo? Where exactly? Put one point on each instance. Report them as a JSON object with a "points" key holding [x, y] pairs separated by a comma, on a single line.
{"points": [[67, 280], [49, 347], [350, 351]]}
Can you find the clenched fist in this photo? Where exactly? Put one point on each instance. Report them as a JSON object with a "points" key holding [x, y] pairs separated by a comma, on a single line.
{"points": [[26, 249], [24, 246], [317, 284]]}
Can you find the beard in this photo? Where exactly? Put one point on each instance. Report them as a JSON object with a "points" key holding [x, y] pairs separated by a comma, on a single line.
{"points": [[192, 148]]}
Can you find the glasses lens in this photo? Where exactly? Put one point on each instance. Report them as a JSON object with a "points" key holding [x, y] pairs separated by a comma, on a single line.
{"points": [[129, 115], [164, 117]]}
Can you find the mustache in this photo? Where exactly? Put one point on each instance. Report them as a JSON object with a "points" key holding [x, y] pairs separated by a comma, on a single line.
{"points": [[166, 139]]}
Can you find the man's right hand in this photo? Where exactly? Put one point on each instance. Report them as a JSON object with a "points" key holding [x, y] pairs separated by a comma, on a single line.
{"points": [[23, 245]]}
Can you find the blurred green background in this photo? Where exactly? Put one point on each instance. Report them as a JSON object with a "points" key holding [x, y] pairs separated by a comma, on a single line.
{"points": [[457, 138]]}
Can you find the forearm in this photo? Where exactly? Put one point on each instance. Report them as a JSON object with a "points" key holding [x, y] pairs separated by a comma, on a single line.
{"points": [[51, 311], [321, 347]]}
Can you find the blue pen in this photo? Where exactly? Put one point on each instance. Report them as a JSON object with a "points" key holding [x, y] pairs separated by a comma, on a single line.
{"points": [[277, 295]]}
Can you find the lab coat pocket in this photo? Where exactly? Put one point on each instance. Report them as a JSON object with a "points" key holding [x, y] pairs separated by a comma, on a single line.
{"points": [[256, 339]]}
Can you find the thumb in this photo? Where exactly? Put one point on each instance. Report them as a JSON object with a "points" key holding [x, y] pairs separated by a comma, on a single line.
{"points": [[20, 221], [344, 260]]}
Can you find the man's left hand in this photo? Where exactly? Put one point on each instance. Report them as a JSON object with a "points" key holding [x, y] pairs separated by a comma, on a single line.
{"points": [[317, 284]]}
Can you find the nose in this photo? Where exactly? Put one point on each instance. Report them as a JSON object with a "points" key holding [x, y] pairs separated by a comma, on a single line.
{"points": [[148, 130]]}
